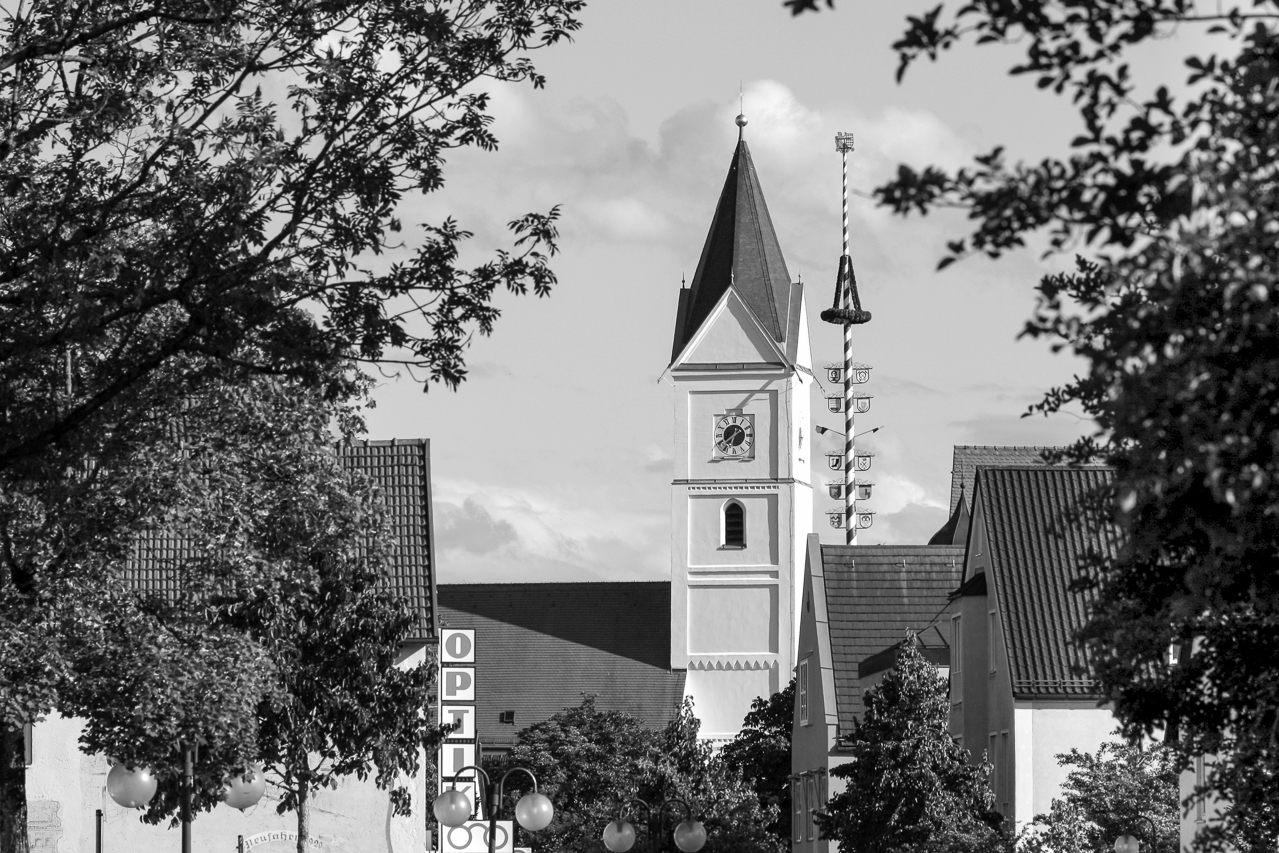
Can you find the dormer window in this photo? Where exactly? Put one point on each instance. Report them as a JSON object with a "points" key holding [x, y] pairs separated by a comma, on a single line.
{"points": [[734, 525]]}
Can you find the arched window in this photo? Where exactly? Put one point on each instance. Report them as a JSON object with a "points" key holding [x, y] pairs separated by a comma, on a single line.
{"points": [[734, 525]]}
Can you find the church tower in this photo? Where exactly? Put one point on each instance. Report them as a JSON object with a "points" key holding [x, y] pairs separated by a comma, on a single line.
{"points": [[741, 497]]}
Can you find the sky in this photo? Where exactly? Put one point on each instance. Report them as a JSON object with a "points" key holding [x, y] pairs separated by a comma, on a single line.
{"points": [[553, 461]]}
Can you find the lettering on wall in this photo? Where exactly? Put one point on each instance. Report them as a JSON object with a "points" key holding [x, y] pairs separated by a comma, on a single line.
{"points": [[44, 825]]}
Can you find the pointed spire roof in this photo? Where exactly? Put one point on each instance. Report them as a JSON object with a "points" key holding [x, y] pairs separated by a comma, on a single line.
{"points": [[954, 531], [741, 252]]}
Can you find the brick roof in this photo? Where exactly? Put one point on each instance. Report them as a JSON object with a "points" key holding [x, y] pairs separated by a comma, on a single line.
{"points": [[542, 647], [968, 457], [401, 469], [873, 594], [741, 251], [1033, 558]]}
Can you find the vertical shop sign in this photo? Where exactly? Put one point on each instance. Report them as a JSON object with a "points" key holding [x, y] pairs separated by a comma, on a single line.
{"points": [[457, 706]]}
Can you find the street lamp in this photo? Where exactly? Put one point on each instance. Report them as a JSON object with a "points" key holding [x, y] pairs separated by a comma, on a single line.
{"points": [[533, 811], [1130, 844], [134, 788], [689, 834]]}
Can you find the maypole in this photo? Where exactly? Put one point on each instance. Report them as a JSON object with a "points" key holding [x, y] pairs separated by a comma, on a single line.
{"points": [[847, 311]]}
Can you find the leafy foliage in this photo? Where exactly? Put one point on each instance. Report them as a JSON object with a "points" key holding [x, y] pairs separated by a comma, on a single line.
{"points": [[1122, 789], [909, 786], [761, 753], [194, 194], [585, 759], [334, 633], [180, 176], [1172, 192]]}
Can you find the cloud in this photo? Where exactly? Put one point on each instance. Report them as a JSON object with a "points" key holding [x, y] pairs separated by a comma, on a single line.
{"points": [[657, 459], [993, 428], [912, 524], [470, 527], [491, 531]]}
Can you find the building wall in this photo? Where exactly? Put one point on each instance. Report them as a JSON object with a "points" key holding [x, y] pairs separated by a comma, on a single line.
{"points": [[65, 788], [969, 689], [1044, 729], [813, 735], [732, 620]]}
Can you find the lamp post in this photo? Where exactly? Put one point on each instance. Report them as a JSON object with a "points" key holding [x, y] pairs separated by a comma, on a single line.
{"points": [[453, 808], [133, 789], [689, 834], [1130, 844]]}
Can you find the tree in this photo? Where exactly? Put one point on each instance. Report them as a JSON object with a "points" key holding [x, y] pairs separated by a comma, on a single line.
{"points": [[238, 492], [1171, 194], [761, 753], [179, 176], [585, 758], [909, 786], [1112, 792], [195, 193], [334, 632]]}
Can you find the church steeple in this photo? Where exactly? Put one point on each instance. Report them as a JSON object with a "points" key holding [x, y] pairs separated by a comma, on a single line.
{"points": [[741, 252]]}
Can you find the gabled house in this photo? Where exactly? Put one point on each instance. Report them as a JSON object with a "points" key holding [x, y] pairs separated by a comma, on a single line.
{"points": [[858, 602], [1017, 699], [66, 789]]}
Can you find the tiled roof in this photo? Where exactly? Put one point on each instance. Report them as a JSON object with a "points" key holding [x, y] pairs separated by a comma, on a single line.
{"points": [[542, 647], [741, 251], [401, 469], [1033, 557], [873, 594], [969, 456]]}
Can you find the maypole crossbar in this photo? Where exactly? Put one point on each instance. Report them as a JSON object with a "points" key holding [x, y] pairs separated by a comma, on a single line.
{"points": [[847, 311]]}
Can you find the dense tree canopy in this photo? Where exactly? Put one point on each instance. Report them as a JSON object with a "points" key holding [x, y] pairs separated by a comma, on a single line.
{"points": [[1174, 304], [585, 758], [761, 754], [1121, 789], [193, 195], [256, 543], [178, 175], [908, 786]]}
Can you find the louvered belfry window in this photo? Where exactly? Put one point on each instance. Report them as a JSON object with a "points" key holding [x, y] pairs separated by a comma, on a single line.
{"points": [[734, 525]]}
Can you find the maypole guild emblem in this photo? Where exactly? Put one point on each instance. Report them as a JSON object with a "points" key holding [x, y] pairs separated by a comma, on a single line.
{"points": [[836, 519], [861, 404], [865, 519], [835, 461], [834, 374], [834, 403], [863, 461], [860, 374]]}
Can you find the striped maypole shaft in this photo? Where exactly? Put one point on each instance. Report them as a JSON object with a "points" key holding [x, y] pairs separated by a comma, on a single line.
{"points": [[844, 142]]}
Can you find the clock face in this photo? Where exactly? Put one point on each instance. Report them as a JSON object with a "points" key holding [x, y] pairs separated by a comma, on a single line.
{"points": [[734, 436]]}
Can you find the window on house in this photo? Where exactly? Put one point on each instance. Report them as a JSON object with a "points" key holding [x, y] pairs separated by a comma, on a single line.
{"points": [[797, 806], [801, 687], [1008, 768], [992, 760], [990, 641], [734, 525], [956, 645], [810, 822]]}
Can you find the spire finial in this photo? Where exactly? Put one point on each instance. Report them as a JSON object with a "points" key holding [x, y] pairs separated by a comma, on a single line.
{"points": [[741, 115]]}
